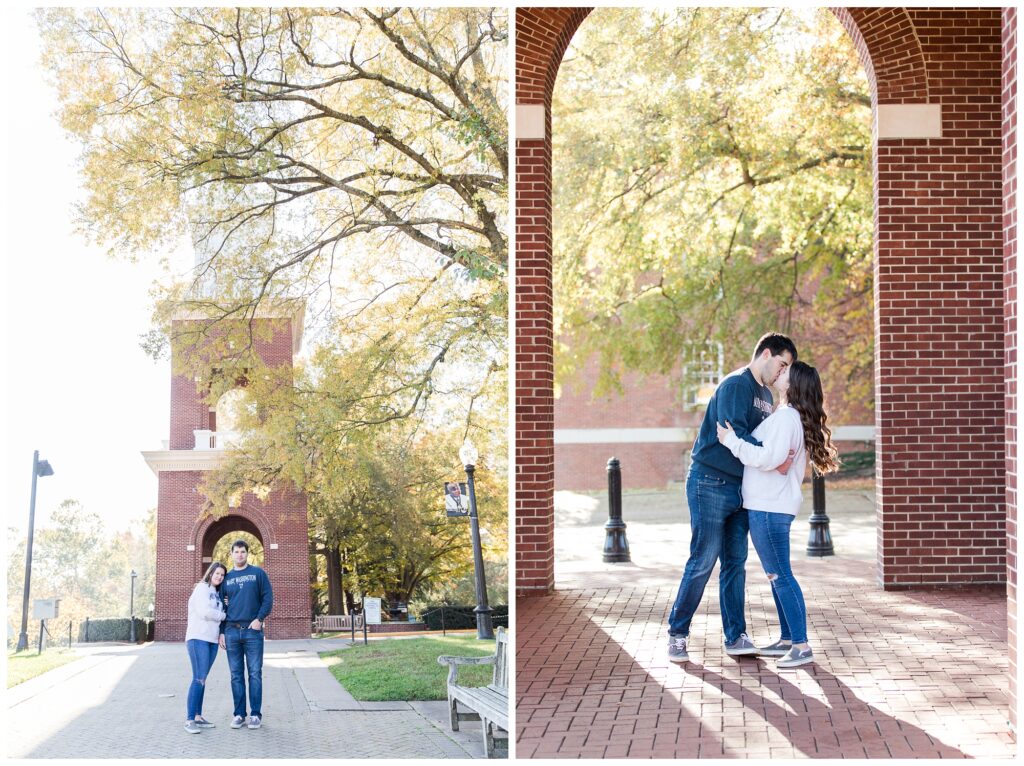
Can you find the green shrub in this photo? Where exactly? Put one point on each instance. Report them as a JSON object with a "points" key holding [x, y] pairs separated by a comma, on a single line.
{"points": [[115, 629], [459, 617]]}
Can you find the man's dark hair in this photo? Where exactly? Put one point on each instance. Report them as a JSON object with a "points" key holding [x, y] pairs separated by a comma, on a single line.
{"points": [[240, 544], [776, 343]]}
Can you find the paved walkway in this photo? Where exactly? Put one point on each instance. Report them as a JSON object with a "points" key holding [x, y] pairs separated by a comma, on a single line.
{"points": [[899, 674], [123, 701]]}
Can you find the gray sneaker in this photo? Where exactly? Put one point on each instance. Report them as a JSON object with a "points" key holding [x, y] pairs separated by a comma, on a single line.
{"points": [[677, 649], [795, 657], [202, 723], [255, 722], [778, 649], [192, 727], [238, 722], [741, 646]]}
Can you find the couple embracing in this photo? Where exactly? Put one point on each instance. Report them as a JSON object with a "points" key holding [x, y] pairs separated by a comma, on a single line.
{"points": [[746, 470], [227, 610]]}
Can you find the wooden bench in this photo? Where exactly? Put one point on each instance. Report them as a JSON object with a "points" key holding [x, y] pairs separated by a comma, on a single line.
{"points": [[488, 703], [335, 622]]}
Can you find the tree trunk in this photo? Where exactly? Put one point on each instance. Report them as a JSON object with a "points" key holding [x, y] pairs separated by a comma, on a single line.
{"points": [[335, 601]]}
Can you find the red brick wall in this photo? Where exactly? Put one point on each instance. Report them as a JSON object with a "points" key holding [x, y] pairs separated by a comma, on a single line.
{"points": [[939, 297], [646, 465], [1009, 98], [280, 520], [652, 401]]}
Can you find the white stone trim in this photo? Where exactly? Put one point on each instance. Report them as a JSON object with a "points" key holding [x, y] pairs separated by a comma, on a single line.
{"points": [[909, 120], [675, 435], [530, 122], [183, 460]]}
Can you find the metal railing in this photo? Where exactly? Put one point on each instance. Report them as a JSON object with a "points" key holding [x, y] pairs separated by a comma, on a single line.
{"points": [[211, 440]]}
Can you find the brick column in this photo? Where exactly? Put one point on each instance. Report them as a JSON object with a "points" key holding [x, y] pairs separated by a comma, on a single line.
{"points": [[1009, 126], [541, 38]]}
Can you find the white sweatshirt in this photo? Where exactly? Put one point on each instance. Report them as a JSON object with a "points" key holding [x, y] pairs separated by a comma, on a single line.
{"points": [[764, 489], [205, 611]]}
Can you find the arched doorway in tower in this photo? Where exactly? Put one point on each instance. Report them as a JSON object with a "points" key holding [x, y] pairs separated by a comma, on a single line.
{"points": [[221, 550], [732, 197], [218, 537]]}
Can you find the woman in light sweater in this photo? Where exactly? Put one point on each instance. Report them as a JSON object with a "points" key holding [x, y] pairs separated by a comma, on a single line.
{"points": [[205, 612], [772, 499]]}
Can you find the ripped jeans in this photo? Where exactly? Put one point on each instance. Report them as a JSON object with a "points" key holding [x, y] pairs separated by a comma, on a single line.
{"points": [[770, 534], [201, 654]]}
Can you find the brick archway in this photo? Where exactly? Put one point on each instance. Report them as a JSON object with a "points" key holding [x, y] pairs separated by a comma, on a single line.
{"points": [[945, 291], [210, 531]]}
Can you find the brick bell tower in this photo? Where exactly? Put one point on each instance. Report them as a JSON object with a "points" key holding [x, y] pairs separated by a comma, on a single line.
{"points": [[185, 538]]}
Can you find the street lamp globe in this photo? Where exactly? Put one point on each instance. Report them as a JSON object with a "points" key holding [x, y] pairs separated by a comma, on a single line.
{"points": [[468, 453]]}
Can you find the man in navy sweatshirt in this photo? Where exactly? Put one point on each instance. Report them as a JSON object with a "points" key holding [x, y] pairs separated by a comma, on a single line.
{"points": [[718, 520], [248, 599]]}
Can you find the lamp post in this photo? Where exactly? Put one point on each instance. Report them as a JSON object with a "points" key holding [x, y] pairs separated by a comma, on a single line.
{"points": [[484, 628], [131, 608], [39, 468]]}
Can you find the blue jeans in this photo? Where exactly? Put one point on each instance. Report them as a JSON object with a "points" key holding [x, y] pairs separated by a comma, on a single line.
{"points": [[201, 654], [245, 653], [770, 533], [718, 530]]}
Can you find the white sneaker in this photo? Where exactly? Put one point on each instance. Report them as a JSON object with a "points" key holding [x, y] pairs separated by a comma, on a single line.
{"points": [[255, 722], [237, 722]]}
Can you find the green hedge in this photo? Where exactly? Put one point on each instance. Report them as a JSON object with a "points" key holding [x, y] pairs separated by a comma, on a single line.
{"points": [[116, 629], [459, 617]]}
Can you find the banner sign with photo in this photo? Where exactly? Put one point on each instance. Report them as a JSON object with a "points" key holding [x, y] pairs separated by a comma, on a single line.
{"points": [[456, 499]]}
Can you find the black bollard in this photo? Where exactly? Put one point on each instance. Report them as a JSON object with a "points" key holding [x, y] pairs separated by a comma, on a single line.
{"points": [[616, 548], [820, 541]]}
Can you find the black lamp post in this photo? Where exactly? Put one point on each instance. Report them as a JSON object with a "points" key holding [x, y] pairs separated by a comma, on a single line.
{"points": [[819, 543], [484, 627], [39, 468], [131, 608]]}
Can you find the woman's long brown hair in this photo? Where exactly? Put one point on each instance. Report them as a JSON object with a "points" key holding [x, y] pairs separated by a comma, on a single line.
{"points": [[209, 574], [807, 398]]}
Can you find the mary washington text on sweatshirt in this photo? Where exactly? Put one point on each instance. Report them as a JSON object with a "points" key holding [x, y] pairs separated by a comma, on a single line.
{"points": [[742, 402], [248, 594]]}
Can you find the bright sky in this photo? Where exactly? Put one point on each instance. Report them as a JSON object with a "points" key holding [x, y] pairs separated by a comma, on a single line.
{"points": [[77, 385]]}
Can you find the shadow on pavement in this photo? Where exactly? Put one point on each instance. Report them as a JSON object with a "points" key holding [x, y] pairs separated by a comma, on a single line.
{"points": [[840, 726]]}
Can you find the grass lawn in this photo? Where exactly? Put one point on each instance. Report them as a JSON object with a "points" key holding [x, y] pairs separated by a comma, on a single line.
{"points": [[29, 664], [407, 669]]}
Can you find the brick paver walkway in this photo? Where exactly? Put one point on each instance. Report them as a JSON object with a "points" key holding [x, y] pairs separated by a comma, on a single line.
{"points": [[898, 674], [129, 702]]}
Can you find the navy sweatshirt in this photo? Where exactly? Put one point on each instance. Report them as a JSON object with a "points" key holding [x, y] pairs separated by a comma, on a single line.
{"points": [[742, 402], [248, 595]]}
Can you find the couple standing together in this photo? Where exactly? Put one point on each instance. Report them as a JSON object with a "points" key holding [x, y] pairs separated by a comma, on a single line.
{"points": [[227, 611], [745, 474]]}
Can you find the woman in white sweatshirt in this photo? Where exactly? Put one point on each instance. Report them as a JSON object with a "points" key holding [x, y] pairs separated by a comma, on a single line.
{"points": [[205, 612], [772, 499]]}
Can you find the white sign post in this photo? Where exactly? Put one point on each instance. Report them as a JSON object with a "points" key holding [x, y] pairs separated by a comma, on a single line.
{"points": [[371, 611]]}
